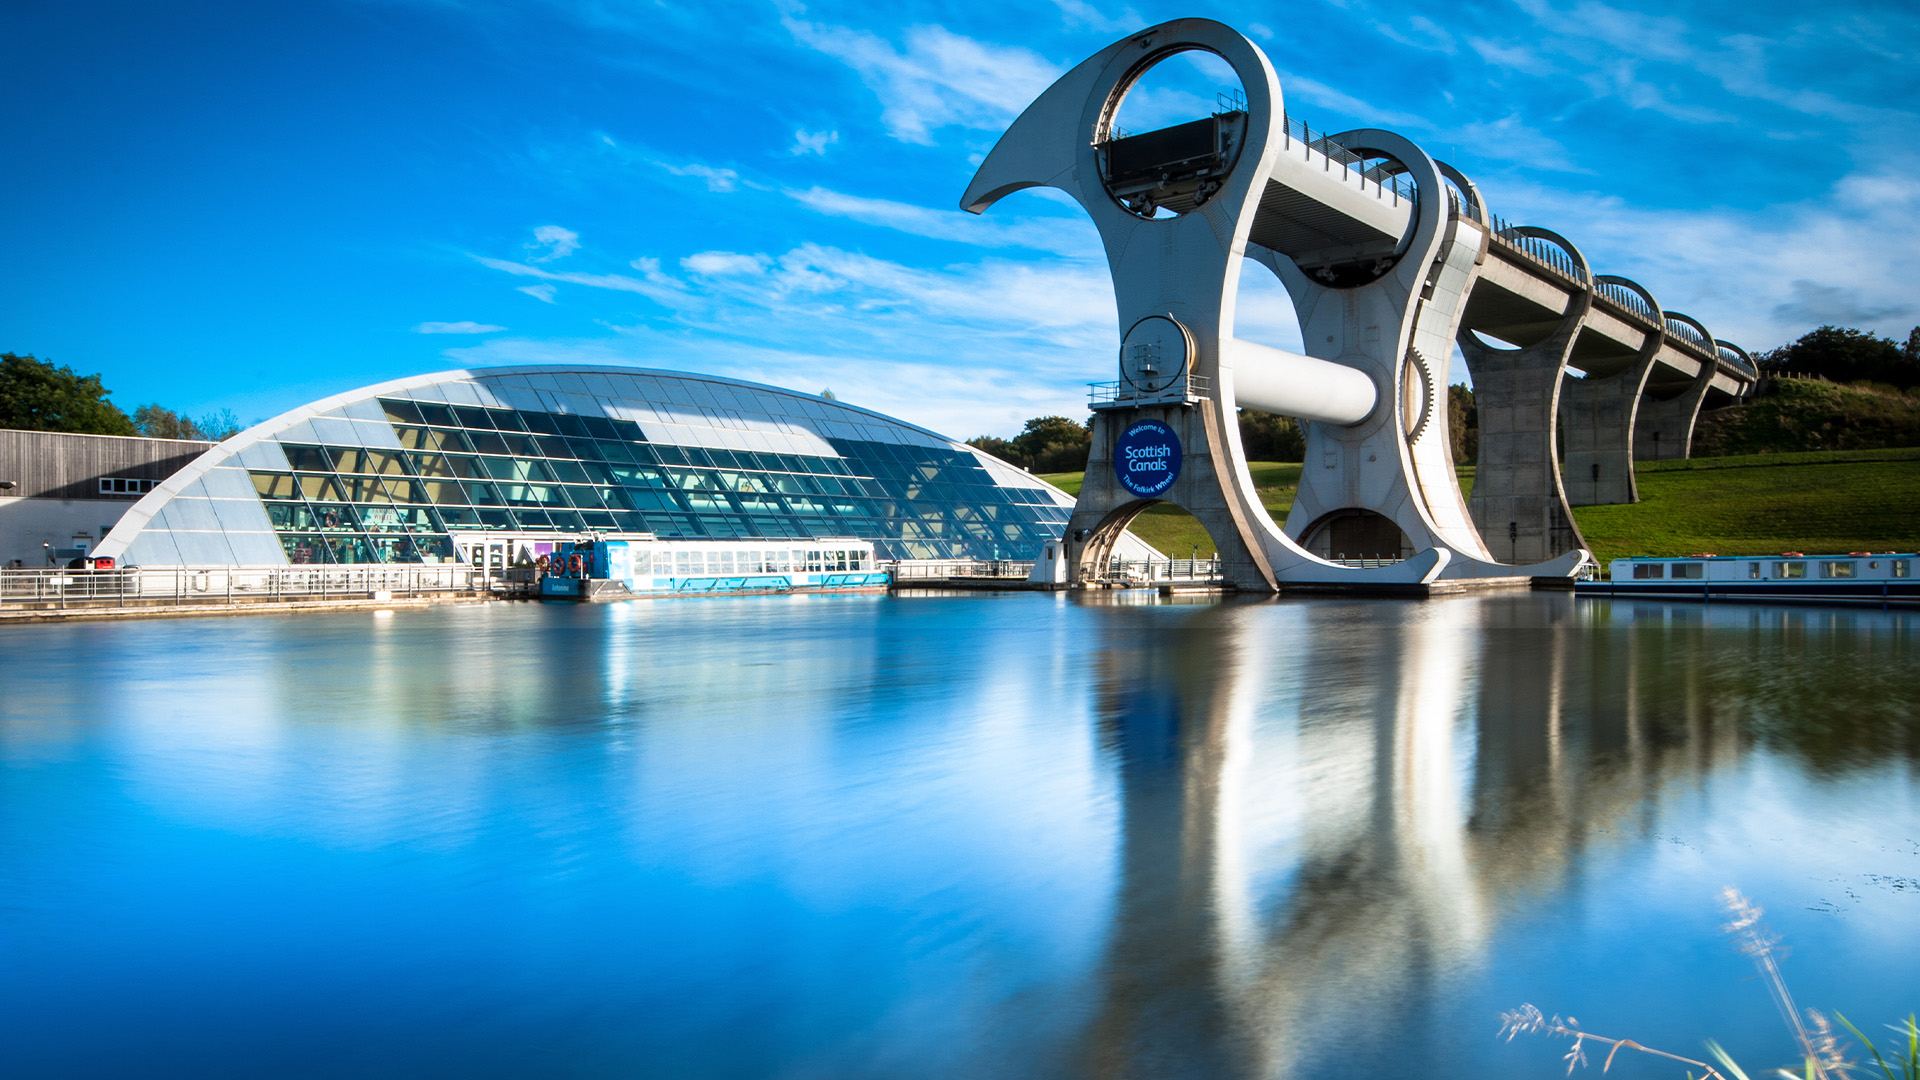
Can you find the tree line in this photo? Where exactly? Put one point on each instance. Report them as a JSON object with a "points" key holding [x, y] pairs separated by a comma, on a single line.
{"points": [[1839, 354], [37, 395]]}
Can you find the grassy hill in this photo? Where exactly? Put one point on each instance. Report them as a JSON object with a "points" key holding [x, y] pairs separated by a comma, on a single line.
{"points": [[1797, 415], [1861, 500]]}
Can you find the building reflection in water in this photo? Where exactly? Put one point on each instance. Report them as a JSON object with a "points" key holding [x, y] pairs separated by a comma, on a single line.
{"points": [[1325, 809]]}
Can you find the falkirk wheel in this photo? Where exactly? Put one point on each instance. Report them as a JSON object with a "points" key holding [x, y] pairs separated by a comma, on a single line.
{"points": [[1379, 247]]}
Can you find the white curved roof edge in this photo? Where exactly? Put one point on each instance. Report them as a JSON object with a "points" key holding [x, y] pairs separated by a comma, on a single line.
{"points": [[137, 515]]}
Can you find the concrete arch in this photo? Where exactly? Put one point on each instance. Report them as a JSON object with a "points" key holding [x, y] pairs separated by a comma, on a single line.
{"points": [[1584, 273], [1740, 357], [1705, 343], [1477, 204], [1634, 288]]}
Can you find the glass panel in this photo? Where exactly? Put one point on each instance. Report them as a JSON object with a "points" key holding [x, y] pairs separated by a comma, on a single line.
{"points": [[349, 549], [630, 522], [600, 520], [482, 494], [406, 491], [433, 465], [568, 520], [599, 428], [290, 516], [347, 460], [1688, 570], [585, 498], [1899, 567], [570, 424], [332, 516], [273, 485], [1836, 570], [487, 442], [304, 550], [437, 415], [307, 458], [319, 487], [452, 441], [521, 445], [533, 519], [400, 410], [553, 446], [506, 420], [539, 422], [415, 438], [473, 418], [496, 519], [628, 430]]}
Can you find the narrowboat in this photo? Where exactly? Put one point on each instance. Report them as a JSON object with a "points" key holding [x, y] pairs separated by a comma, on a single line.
{"points": [[1859, 577]]}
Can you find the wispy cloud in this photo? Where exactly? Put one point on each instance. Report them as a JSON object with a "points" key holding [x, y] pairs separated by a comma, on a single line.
{"points": [[934, 78], [1051, 234], [542, 293], [812, 142], [457, 328], [552, 242], [718, 180], [1759, 276]]}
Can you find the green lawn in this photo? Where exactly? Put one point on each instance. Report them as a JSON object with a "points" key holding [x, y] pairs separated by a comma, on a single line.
{"points": [[1860, 500]]}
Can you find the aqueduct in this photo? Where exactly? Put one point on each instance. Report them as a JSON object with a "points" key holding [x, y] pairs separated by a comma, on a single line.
{"points": [[1389, 258]]}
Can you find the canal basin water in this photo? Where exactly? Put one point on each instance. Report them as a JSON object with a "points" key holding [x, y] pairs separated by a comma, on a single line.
{"points": [[1015, 835]]}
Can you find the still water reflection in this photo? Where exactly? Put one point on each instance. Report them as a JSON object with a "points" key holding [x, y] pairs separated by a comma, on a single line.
{"points": [[944, 836]]}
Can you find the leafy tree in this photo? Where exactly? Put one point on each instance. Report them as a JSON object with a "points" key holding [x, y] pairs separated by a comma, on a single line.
{"points": [[1047, 444], [1267, 437], [1054, 444], [219, 425], [1000, 448], [37, 396], [1463, 424], [156, 422], [1842, 354]]}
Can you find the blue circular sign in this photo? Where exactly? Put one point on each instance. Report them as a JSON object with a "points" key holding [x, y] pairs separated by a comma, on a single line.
{"points": [[1147, 458]]}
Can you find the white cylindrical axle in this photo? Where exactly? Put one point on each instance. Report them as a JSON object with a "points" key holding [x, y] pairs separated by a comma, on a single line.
{"points": [[1276, 381]]}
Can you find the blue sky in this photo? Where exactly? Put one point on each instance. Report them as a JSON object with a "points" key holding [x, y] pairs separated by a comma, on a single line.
{"points": [[253, 205]]}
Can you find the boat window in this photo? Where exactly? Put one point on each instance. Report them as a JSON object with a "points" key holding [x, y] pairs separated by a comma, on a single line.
{"points": [[1789, 569], [1836, 570], [1649, 570], [1753, 569], [683, 562], [1899, 567], [813, 559], [1689, 570]]}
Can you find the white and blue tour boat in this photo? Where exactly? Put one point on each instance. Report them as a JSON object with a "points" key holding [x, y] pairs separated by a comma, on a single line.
{"points": [[624, 569]]}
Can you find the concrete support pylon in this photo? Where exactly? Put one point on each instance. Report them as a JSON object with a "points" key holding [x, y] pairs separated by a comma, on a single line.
{"points": [[1203, 488], [1663, 429], [1597, 418], [1518, 502]]}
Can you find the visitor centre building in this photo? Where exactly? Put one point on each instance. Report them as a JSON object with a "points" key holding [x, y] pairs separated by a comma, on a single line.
{"points": [[514, 460]]}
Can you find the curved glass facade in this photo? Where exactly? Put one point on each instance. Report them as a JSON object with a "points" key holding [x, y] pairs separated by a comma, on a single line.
{"points": [[415, 471]]}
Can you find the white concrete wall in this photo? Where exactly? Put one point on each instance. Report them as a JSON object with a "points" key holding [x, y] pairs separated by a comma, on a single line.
{"points": [[25, 524]]}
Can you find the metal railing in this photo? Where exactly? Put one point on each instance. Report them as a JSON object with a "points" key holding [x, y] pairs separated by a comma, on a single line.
{"points": [[1117, 392], [136, 586], [941, 569], [1627, 300], [1396, 185], [1364, 564], [1158, 570], [1687, 334], [1545, 253]]}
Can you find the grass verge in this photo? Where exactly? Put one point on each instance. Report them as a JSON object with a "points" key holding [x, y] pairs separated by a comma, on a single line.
{"points": [[1854, 500]]}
